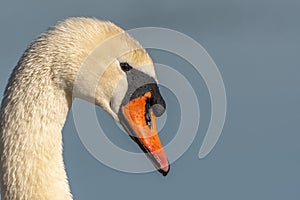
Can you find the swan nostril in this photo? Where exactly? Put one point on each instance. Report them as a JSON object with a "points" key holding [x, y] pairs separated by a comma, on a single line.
{"points": [[148, 112]]}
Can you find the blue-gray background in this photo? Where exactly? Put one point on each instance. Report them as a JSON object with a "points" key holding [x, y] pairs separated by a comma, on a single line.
{"points": [[256, 46]]}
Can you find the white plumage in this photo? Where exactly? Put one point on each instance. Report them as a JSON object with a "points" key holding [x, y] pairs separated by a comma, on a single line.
{"points": [[38, 98]]}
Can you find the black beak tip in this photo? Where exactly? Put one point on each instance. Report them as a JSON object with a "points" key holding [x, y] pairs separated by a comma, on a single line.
{"points": [[164, 173]]}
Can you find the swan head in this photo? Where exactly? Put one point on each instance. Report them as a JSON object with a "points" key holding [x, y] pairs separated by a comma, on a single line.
{"points": [[118, 75], [136, 102]]}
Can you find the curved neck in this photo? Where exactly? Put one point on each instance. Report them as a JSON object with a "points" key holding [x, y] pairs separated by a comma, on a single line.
{"points": [[36, 103], [32, 116]]}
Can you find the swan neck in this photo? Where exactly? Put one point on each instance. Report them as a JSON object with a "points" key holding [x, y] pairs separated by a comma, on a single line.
{"points": [[33, 113]]}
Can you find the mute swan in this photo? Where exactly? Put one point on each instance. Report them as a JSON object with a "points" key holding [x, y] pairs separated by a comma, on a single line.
{"points": [[39, 94]]}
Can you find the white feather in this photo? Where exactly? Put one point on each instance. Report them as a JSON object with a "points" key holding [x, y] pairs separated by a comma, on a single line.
{"points": [[40, 93]]}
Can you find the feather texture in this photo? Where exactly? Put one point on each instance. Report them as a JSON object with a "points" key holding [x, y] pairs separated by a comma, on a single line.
{"points": [[37, 100]]}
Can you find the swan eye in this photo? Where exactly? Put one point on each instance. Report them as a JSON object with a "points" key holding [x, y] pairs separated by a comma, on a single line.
{"points": [[125, 66]]}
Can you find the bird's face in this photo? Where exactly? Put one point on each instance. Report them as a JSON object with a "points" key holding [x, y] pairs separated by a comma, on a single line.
{"points": [[137, 102], [118, 75]]}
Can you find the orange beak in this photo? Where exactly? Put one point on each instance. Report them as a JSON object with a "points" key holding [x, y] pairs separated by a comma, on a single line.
{"points": [[142, 125]]}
